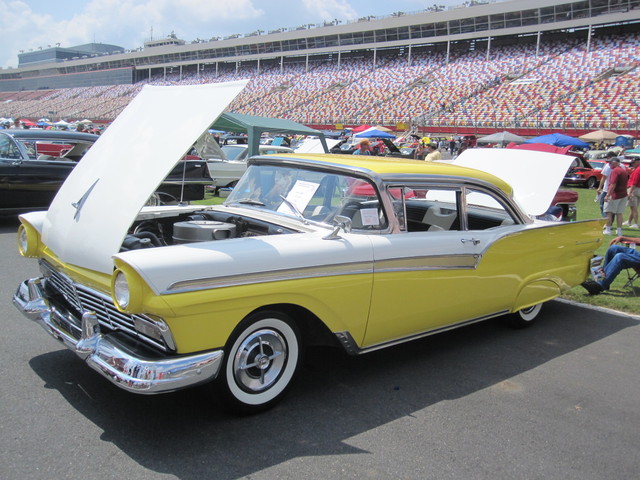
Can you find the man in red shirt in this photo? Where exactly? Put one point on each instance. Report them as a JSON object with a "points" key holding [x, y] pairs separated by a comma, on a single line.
{"points": [[615, 200], [634, 193]]}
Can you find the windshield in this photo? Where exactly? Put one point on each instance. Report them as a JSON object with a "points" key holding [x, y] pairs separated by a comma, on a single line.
{"points": [[234, 152], [310, 195]]}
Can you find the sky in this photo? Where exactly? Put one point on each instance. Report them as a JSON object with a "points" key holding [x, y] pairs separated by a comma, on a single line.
{"points": [[31, 24]]}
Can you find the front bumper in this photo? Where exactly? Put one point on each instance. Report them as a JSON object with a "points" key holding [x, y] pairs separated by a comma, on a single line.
{"points": [[120, 363]]}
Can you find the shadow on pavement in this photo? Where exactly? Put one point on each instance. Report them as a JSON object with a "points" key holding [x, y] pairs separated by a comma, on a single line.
{"points": [[186, 434]]}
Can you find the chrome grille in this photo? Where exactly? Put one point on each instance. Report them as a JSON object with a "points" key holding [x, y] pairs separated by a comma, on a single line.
{"points": [[84, 299]]}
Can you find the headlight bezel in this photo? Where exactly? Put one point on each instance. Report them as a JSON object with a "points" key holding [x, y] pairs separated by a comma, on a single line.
{"points": [[28, 240]]}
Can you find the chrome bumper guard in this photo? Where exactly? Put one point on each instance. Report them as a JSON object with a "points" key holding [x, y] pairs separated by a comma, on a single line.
{"points": [[117, 363]]}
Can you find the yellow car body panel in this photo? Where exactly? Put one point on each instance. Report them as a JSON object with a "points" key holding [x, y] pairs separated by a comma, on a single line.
{"points": [[411, 302]]}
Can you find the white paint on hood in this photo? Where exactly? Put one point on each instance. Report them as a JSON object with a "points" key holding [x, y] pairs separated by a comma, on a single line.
{"points": [[89, 217]]}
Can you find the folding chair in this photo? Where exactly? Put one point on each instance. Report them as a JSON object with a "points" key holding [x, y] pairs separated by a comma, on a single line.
{"points": [[633, 274]]}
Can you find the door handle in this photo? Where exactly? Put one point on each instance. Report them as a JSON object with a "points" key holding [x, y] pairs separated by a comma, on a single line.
{"points": [[475, 241]]}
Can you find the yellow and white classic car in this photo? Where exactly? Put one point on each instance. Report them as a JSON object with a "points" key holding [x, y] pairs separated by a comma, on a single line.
{"points": [[354, 251]]}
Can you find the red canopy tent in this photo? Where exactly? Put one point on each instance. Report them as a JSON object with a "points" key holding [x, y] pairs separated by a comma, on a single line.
{"points": [[540, 147]]}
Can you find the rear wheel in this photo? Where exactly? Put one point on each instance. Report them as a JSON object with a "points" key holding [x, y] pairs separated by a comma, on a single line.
{"points": [[591, 182], [261, 360], [525, 317]]}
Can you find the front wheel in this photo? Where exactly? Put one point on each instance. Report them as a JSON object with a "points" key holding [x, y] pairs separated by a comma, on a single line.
{"points": [[261, 360], [525, 317], [591, 182]]}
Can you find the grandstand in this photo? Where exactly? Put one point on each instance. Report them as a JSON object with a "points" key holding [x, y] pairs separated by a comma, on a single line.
{"points": [[562, 66]]}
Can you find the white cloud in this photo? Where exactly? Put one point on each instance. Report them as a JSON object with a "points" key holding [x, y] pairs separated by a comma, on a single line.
{"points": [[330, 9]]}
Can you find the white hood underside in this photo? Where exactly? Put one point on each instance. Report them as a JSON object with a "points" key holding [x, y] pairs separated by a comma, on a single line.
{"points": [[89, 217], [534, 176]]}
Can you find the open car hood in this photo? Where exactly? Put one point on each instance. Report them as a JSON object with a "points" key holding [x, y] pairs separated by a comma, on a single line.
{"points": [[534, 176], [89, 217]]}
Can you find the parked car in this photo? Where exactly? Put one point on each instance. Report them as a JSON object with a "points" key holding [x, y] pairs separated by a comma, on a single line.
{"points": [[34, 163], [226, 171], [583, 174], [357, 252]]}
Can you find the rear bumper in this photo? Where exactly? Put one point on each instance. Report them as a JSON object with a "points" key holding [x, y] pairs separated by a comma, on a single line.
{"points": [[124, 366]]}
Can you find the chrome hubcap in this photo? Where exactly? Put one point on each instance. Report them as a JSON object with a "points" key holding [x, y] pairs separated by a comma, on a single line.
{"points": [[260, 360]]}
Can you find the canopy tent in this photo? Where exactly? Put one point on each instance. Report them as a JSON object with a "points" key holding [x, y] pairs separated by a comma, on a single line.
{"points": [[541, 147], [599, 136], [382, 129], [374, 133], [254, 126], [361, 128], [558, 140], [503, 138]]}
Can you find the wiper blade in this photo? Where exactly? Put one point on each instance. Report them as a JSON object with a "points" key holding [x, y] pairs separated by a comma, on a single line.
{"points": [[294, 209]]}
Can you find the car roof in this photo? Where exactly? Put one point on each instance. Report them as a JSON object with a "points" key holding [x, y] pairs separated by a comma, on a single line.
{"points": [[390, 167], [32, 133]]}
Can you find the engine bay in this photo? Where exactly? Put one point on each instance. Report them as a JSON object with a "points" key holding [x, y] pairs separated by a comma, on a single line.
{"points": [[196, 226]]}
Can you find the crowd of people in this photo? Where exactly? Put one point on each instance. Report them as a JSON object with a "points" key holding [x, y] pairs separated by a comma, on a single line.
{"points": [[523, 85]]}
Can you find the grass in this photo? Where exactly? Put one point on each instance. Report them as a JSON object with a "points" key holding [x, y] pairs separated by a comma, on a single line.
{"points": [[617, 297]]}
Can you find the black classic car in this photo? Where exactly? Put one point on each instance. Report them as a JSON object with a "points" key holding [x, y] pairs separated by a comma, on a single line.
{"points": [[34, 163]]}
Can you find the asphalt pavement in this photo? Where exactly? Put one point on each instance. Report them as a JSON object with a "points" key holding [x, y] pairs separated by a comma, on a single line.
{"points": [[560, 400]]}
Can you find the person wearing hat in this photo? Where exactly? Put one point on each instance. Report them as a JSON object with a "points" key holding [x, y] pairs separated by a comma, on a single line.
{"points": [[434, 154], [615, 199], [364, 148]]}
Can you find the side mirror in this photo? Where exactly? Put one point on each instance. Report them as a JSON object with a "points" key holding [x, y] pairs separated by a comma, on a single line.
{"points": [[341, 223]]}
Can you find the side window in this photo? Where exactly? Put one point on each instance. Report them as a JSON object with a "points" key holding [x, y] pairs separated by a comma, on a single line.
{"points": [[485, 211], [421, 208], [8, 148]]}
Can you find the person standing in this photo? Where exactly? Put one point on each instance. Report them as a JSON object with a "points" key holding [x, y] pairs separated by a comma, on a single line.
{"points": [[364, 148], [634, 193], [604, 182], [420, 152], [433, 153], [615, 200]]}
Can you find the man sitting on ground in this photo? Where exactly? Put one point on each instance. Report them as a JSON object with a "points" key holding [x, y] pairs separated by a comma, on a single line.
{"points": [[617, 258]]}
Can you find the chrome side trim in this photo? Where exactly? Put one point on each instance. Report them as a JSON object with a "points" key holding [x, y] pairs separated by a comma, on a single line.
{"points": [[352, 348], [129, 370], [431, 262], [357, 268]]}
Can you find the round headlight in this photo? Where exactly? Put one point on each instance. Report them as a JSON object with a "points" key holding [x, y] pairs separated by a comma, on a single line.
{"points": [[121, 290]]}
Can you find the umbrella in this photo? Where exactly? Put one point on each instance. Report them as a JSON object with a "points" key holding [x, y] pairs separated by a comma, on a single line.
{"points": [[558, 140], [502, 138], [598, 136], [374, 133]]}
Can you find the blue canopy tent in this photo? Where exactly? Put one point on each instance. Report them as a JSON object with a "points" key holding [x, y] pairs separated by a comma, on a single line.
{"points": [[374, 133], [558, 140]]}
